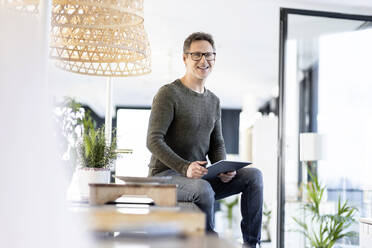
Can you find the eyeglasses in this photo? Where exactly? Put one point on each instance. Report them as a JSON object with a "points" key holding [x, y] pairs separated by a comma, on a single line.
{"points": [[197, 56]]}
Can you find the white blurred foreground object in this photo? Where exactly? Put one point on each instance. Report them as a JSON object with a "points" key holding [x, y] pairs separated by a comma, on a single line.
{"points": [[311, 146], [33, 209]]}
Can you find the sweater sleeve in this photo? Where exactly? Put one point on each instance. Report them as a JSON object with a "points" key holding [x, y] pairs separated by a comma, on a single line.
{"points": [[161, 117], [217, 149]]}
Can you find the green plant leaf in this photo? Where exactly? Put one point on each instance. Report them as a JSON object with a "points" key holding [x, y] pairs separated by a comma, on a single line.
{"points": [[94, 152], [325, 229]]}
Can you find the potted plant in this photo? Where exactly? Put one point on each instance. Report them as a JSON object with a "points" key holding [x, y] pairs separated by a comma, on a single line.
{"points": [[96, 158], [266, 223], [229, 204], [324, 230]]}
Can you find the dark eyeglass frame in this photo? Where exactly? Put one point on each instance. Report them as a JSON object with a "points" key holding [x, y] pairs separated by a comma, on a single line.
{"points": [[201, 56]]}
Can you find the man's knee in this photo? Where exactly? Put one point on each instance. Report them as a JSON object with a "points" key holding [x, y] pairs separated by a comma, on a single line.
{"points": [[203, 190], [253, 176]]}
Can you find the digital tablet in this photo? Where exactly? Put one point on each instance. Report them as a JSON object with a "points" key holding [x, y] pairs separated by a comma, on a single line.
{"points": [[224, 166]]}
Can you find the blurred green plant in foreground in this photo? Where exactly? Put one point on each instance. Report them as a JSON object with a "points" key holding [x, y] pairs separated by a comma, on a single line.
{"points": [[325, 229]]}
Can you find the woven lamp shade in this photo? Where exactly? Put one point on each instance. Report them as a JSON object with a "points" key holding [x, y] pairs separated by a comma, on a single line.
{"points": [[100, 37], [29, 6]]}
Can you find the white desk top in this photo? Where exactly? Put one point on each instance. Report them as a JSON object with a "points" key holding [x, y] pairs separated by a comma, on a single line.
{"points": [[366, 221]]}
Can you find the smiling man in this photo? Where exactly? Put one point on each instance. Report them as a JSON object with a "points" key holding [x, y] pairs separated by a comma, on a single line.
{"points": [[185, 128]]}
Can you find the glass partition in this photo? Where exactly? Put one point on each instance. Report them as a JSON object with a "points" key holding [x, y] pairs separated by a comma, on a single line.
{"points": [[325, 88]]}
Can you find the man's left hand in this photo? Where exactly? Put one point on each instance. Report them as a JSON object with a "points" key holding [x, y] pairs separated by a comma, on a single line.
{"points": [[226, 177]]}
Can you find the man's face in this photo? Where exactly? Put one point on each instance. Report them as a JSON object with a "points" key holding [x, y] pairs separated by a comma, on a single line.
{"points": [[202, 68]]}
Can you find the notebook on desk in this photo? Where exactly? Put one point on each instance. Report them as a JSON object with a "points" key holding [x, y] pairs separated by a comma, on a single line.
{"points": [[224, 166]]}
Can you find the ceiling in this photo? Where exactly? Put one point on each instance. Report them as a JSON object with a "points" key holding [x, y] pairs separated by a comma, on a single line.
{"points": [[247, 39]]}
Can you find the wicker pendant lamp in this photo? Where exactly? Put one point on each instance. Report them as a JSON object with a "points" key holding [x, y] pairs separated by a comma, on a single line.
{"points": [[100, 37], [29, 6]]}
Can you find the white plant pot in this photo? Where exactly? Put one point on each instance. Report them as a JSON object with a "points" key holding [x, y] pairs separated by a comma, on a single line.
{"points": [[85, 176]]}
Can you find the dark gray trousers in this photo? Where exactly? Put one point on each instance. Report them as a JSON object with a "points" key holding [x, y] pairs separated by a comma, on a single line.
{"points": [[203, 193]]}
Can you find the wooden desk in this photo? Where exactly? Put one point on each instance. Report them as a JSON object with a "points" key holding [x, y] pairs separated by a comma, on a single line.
{"points": [[186, 217], [161, 194]]}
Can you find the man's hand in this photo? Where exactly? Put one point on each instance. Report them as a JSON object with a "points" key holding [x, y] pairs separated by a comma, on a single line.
{"points": [[226, 177], [196, 170]]}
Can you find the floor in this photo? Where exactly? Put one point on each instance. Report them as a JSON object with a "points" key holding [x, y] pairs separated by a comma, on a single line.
{"points": [[168, 242], [181, 242]]}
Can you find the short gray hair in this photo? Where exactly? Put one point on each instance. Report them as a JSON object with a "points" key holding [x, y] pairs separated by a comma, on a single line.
{"points": [[197, 36]]}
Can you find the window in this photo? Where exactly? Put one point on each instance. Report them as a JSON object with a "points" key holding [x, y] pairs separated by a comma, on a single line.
{"points": [[131, 134]]}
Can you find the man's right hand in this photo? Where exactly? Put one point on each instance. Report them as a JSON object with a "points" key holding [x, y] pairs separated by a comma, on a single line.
{"points": [[196, 170]]}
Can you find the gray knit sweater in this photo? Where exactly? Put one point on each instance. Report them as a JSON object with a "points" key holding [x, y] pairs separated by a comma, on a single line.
{"points": [[184, 126]]}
